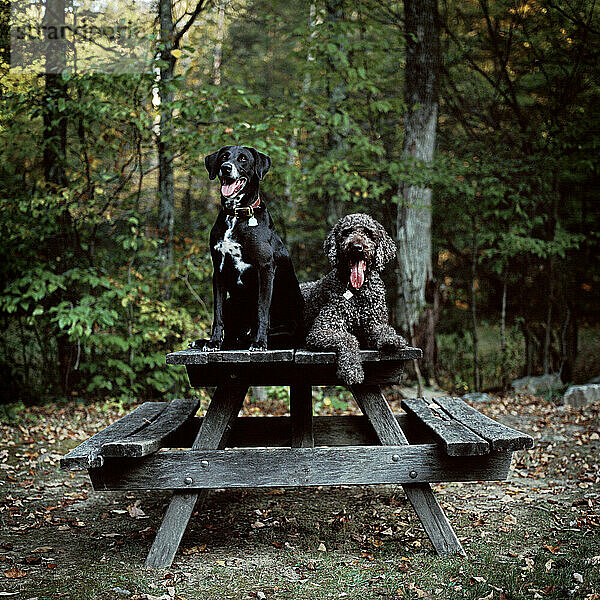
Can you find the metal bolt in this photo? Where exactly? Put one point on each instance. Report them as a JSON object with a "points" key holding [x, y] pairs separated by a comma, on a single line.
{"points": [[204, 464], [396, 457], [188, 481], [413, 474], [233, 376]]}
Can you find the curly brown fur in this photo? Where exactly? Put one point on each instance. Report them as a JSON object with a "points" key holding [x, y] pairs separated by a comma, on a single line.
{"points": [[346, 310]]}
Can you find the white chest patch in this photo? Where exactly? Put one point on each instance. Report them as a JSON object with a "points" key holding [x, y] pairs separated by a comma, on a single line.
{"points": [[229, 247]]}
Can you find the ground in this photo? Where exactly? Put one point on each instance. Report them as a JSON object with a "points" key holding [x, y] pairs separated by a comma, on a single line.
{"points": [[536, 535]]}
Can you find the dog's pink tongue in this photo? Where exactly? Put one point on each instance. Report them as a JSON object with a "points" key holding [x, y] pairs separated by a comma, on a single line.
{"points": [[357, 274], [231, 188]]}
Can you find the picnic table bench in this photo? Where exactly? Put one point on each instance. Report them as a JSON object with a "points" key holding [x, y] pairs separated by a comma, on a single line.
{"points": [[164, 446]]}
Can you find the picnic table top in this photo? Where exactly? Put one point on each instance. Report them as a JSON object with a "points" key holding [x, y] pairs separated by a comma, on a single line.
{"points": [[299, 356]]}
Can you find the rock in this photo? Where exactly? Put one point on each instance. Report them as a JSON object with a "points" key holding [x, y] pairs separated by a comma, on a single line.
{"points": [[428, 393], [535, 385], [478, 397], [594, 379], [579, 396]]}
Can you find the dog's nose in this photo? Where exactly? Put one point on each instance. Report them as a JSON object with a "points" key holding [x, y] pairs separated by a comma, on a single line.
{"points": [[226, 168], [356, 246]]}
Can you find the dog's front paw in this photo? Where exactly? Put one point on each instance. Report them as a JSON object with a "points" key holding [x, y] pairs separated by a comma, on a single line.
{"points": [[391, 342], [259, 345], [211, 345]]}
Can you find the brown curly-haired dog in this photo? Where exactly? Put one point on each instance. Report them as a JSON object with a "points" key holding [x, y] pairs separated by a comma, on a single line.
{"points": [[346, 310]]}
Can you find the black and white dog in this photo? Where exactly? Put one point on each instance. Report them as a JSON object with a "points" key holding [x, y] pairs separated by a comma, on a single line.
{"points": [[257, 299]]}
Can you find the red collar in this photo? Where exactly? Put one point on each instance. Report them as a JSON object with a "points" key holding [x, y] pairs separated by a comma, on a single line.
{"points": [[244, 211]]}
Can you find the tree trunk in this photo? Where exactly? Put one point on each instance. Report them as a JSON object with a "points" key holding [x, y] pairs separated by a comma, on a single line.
{"points": [[166, 182], [337, 95], [413, 217], [218, 49], [54, 158], [504, 358], [476, 374]]}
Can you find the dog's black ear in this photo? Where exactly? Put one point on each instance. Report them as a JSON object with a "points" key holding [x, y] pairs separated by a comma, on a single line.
{"points": [[330, 247], [386, 248], [262, 163], [212, 165]]}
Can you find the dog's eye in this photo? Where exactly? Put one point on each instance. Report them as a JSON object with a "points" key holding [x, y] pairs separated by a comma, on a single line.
{"points": [[225, 156], [243, 158]]}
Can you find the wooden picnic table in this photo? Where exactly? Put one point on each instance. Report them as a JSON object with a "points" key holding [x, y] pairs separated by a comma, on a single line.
{"points": [[163, 445]]}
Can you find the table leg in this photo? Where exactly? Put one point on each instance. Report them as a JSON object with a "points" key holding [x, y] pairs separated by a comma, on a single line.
{"points": [[214, 431], [301, 415], [373, 404]]}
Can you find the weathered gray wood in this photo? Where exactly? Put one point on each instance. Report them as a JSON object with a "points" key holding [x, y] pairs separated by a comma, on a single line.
{"points": [[501, 438], [216, 426], [308, 357], [198, 357], [275, 467], [456, 438], [301, 416], [430, 513], [153, 437], [348, 430], [89, 453]]}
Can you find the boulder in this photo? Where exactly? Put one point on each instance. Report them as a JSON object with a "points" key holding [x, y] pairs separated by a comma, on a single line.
{"points": [[536, 385], [480, 397], [579, 396]]}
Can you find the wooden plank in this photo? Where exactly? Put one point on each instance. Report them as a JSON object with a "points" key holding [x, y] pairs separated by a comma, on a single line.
{"points": [[301, 416], [456, 439], [347, 430], [307, 357], [216, 426], [500, 437], [88, 454], [198, 357], [430, 513], [292, 467], [152, 438]]}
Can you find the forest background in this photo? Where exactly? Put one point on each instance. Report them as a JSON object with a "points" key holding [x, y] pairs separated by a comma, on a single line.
{"points": [[105, 205]]}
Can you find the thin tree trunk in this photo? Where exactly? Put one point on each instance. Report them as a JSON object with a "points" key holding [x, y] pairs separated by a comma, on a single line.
{"points": [[413, 217], [218, 49], [290, 197], [504, 360], [337, 95], [54, 156], [476, 374], [166, 181], [186, 206], [551, 235]]}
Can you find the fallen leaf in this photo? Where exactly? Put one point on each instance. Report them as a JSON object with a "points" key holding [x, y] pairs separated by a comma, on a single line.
{"points": [[549, 565], [15, 573], [578, 577], [42, 549], [135, 511], [194, 550], [322, 547]]}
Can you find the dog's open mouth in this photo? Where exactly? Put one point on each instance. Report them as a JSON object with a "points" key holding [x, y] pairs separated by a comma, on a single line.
{"points": [[231, 187], [357, 273]]}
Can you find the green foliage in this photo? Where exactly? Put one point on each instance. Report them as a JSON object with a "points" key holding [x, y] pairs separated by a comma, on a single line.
{"points": [[83, 302]]}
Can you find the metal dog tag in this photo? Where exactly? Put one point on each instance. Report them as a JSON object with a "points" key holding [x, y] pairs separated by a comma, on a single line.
{"points": [[252, 222], [348, 294]]}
